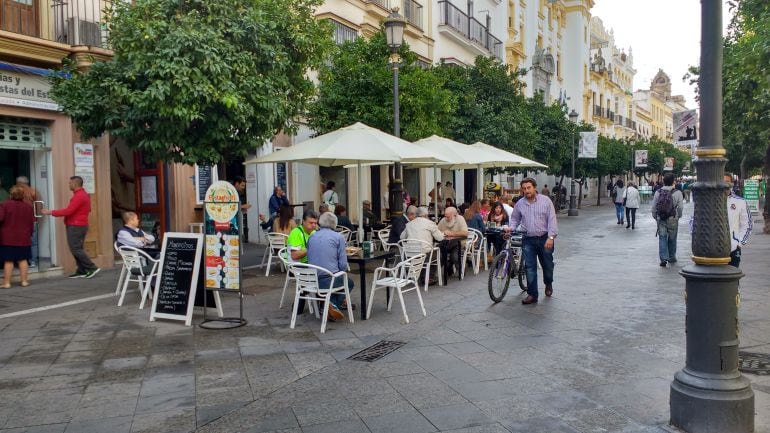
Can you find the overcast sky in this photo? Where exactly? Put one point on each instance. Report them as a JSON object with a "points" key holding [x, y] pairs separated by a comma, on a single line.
{"points": [[664, 34]]}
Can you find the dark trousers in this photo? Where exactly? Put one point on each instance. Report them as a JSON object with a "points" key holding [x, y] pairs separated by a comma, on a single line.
{"points": [[76, 235], [735, 257], [631, 216], [533, 249]]}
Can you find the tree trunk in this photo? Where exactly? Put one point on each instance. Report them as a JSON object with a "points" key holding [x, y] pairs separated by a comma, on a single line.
{"points": [[766, 211], [743, 167], [600, 190]]}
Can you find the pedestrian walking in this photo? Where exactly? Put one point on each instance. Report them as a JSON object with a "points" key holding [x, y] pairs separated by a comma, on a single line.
{"points": [[537, 217], [667, 209], [617, 198], [631, 200], [76, 221], [739, 221], [330, 196], [17, 220]]}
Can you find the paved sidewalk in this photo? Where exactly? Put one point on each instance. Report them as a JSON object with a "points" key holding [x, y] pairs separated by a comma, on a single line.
{"points": [[597, 357]]}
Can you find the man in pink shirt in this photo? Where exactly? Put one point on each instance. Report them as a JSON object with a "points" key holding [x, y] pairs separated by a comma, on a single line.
{"points": [[76, 220]]}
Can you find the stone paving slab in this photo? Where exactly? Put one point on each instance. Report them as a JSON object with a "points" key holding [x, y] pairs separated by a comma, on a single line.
{"points": [[597, 357]]}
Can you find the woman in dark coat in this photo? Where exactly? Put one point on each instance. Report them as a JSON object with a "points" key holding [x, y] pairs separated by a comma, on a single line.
{"points": [[17, 220]]}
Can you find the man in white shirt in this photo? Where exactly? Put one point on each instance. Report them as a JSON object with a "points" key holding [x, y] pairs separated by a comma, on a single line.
{"points": [[130, 234], [739, 220], [423, 228]]}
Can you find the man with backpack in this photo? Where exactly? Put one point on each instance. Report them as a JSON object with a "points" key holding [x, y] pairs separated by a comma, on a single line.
{"points": [[667, 209]]}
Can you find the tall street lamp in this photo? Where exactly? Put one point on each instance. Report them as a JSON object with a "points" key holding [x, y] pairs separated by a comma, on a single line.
{"points": [[709, 394], [573, 117], [394, 35]]}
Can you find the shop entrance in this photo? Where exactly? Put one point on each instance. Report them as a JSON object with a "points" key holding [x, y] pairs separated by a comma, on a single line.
{"points": [[25, 152]]}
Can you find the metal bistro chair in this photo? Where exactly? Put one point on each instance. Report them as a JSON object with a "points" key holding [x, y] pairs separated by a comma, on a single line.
{"points": [[276, 241], [412, 247], [479, 251], [309, 289], [404, 278], [141, 268]]}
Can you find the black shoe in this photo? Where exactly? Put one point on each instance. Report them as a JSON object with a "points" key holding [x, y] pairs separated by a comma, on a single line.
{"points": [[672, 260], [663, 264], [529, 300], [628, 225]]}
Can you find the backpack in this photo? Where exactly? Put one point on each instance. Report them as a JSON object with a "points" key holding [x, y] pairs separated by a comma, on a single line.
{"points": [[665, 207]]}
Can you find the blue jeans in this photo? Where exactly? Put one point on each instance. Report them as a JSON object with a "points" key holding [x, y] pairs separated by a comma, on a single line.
{"points": [[337, 298], [533, 248], [667, 231], [619, 211]]}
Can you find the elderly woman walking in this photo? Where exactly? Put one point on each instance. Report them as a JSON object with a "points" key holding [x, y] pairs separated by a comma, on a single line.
{"points": [[17, 220], [631, 202]]}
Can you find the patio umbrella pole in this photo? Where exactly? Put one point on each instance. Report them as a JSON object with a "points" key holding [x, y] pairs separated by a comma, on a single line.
{"points": [[436, 193], [360, 206]]}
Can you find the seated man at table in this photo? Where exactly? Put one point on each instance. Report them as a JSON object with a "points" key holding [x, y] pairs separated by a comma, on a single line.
{"points": [[370, 219], [398, 224], [424, 229], [453, 226], [130, 234], [296, 243], [326, 248]]}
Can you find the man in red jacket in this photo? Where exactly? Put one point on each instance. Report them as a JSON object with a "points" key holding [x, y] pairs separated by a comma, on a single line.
{"points": [[76, 219]]}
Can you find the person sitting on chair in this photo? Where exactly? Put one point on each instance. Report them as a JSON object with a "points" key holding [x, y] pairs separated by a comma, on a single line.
{"points": [[130, 234], [326, 248]]}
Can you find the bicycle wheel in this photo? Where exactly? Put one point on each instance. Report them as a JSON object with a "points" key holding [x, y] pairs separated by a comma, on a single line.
{"points": [[521, 274], [499, 277]]}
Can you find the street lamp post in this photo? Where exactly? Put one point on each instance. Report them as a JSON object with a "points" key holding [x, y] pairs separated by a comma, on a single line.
{"points": [[709, 394], [573, 116], [394, 35]]}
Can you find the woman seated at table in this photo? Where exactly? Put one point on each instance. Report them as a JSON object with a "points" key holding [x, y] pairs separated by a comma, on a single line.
{"points": [[342, 217], [285, 221], [499, 217], [473, 217]]}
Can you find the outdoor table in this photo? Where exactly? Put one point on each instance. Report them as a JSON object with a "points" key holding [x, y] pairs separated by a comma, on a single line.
{"points": [[361, 260], [451, 242]]}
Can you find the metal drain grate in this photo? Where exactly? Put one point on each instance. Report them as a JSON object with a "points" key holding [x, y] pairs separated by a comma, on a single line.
{"points": [[754, 363], [377, 351]]}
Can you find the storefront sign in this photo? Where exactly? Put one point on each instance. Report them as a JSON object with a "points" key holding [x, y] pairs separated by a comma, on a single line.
{"points": [[89, 180], [205, 175], [26, 90], [751, 194], [177, 284], [222, 224], [84, 155]]}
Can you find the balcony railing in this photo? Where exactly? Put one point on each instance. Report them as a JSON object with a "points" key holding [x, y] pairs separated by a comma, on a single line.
{"points": [[469, 27], [71, 22], [383, 3], [413, 13]]}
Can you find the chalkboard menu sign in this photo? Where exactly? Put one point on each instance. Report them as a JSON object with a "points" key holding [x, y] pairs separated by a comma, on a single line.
{"points": [[280, 175], [205, 176], [175, 287]]}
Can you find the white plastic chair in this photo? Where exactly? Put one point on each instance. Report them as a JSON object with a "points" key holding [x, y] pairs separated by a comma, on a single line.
{"points": [[412, 247], [283, 255], [123, 271], [141, 268], [346, 233], [276, 241], [309, 289], [404, 278], [468, 252], [479, 251]]}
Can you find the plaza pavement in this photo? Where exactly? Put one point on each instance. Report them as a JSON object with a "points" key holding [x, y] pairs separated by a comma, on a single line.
{"points": [[597, 357]]}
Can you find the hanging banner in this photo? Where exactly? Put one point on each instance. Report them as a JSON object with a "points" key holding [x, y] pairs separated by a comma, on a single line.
{"points": [[668, 163], [640, 158], [589, 142], [686, 129]]}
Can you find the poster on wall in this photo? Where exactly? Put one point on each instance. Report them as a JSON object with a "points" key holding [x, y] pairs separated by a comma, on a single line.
{"points": [[668, 164], [751, 194], [84, 155], [89, 180], [640, 158], [149, 190], [589, 142]]}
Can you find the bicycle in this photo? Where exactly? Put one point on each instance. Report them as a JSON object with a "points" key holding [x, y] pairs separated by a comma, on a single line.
{"points": [[509, 263]]}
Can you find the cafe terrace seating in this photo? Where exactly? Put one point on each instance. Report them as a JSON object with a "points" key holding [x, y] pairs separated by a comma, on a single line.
{"points": [[308, 288], [412, 247], [140, 268], [404, 278], [276, 241]]}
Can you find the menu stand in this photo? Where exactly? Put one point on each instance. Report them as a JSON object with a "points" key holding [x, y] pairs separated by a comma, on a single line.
{"points": [[210, 229]]}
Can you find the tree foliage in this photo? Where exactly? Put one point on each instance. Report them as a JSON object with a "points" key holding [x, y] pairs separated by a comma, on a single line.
{"points": [[356, 85], [198, 81]]}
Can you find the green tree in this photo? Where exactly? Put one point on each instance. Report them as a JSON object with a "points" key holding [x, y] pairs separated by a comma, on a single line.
{"points": [[356, 85], [197, 81], [553, 136]]}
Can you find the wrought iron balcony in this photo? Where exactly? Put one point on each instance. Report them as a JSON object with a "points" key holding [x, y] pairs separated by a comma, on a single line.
{"points": [[413, 13], [470, 28], [71, 22]]}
